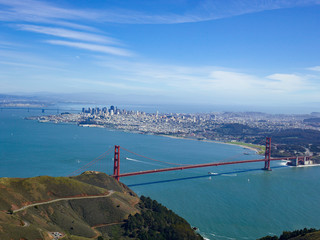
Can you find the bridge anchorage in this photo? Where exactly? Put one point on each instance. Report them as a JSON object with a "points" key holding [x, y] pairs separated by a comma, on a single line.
{"points": [[295, 161]]}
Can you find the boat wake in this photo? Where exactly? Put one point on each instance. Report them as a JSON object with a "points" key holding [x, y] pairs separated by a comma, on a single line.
{"points": [[229, 175], [139, 161], [220, 237], [283, 163]]}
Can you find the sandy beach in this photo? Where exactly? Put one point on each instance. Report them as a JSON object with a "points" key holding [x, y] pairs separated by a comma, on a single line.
{"points": [[212, 141]]}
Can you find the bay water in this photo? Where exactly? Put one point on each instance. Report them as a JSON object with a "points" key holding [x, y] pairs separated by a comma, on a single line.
{"points": [[236, 202]]}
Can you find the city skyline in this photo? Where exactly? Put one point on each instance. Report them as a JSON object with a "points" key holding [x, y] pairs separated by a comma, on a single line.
{"points": [[210, 52]]}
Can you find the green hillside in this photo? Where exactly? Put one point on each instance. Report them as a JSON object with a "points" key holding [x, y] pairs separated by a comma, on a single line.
{"points": [[89, 206], [303, 234]]}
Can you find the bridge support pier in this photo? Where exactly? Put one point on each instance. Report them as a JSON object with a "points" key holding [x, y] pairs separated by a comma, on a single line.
{"points": [[267, 155], [116, 166]]}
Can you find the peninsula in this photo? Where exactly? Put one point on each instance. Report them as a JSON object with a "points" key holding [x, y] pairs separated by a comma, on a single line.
{"points": [[89, 206], [292, 134]]}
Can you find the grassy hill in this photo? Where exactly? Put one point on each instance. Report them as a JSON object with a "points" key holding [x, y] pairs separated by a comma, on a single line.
{"points": [[100, 208]]}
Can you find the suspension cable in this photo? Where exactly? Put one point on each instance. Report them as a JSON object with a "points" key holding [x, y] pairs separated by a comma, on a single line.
{"points": [[86, 167], [91, 162], [152, 158]]}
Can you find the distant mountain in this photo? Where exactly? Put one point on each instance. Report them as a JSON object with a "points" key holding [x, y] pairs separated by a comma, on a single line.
{"points": [[23, 101], [312, 121], [74, 98]]}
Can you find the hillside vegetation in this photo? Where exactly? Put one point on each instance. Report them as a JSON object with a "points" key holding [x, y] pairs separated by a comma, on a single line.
{"points": [[98, 207], [285, 142], [303, 234], [157, 222]]}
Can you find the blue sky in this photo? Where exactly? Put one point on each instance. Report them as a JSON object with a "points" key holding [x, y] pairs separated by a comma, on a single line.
{"points": [[231, 52]]}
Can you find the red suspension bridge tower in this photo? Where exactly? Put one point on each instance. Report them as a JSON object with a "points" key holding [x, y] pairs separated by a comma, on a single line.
{"points": [[267, 155], [116, 167]]}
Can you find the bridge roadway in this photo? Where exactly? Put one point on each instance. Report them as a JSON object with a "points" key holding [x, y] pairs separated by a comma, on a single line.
{"points": [[199, 166]]}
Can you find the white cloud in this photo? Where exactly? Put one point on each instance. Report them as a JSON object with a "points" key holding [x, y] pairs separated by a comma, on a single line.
{"points": [[205, 82], [25, 65], [251, 85], [48, 13], [42, 12], [25, 58], [38, 11], [233, 81], [316, 68], [212, 83], [114, 85], [287, 82], [92, 47], [9, 45], [27, 9], [65, 33]]}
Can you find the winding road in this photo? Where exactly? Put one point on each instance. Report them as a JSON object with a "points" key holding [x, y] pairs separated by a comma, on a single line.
{"points": [[62, 199]]}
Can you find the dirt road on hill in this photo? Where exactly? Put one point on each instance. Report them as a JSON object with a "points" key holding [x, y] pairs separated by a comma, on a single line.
{"points": [[62, 199]]}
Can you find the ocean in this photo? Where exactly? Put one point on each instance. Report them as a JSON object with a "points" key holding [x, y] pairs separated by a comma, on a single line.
{"points": [[236, 202]]}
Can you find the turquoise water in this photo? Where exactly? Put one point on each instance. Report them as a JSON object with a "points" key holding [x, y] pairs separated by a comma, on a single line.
{"points": [[240, 202]]}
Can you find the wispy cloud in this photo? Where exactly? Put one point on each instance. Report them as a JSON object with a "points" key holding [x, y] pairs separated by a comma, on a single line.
{"points": [[72, 17], [214, 83], [25, 58], [25, 65], [288, 82], [202, 11], [212, 10], [316, 68], [65, 33], [36, 11], [114, 85], [92, 47], [73, 27], [41, 12], [8, 44]]}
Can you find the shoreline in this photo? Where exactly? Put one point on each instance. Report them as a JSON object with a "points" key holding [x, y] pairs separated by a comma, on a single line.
{"points": [[174, 137], [247, 147], [162, 135], [309, 165], [209, 141]]}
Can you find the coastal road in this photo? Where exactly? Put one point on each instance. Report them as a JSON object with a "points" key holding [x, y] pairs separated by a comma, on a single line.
{"points": [[63, 199]]}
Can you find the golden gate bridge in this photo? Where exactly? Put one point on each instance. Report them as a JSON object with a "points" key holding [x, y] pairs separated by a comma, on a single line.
{"points": [[300, 160]]}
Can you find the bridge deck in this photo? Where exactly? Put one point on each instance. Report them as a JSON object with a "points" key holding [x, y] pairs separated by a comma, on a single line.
{"points": [[199, 166]]}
